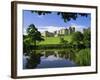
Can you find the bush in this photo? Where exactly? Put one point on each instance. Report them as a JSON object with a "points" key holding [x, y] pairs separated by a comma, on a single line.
{"points": [[52, 46], [83, 57]]}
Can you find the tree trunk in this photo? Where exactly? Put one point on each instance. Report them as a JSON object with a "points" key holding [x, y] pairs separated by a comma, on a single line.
{"points": [[35, 43]]}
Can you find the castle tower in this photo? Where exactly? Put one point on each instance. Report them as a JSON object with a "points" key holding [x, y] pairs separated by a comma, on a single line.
{"points": [[71, 30]]}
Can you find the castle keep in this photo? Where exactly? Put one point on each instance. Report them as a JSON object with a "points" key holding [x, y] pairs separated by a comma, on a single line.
{"points": [[60, 32]]}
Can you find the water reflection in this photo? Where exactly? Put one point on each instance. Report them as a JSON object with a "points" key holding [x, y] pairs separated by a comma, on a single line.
{"points": [[31, 60], [48, 59]]}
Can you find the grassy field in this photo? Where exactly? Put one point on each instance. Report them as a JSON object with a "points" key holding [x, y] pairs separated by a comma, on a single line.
{"points": [[54, 40]]}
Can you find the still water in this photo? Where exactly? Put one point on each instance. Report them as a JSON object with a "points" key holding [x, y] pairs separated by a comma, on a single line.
{"points": [[48, 59]]}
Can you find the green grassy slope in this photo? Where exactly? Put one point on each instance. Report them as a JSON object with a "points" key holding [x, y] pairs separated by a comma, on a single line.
{"points": [[54, 40]]}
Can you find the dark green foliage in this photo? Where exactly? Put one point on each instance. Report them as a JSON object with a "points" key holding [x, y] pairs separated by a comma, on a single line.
{"points": [[87, 38], [77, 36], [64, 43], [65, 16], [83, 57], [34, 34], [41, 12], [78, 49], [62, 40], [26, 43], [29, 40], [53, 46], [33, 60], [87, 35], [77, 40], [79, 57]]}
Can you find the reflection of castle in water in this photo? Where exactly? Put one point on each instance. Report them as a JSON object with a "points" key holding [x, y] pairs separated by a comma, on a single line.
{"points": [[44, 59], [59, 54]]}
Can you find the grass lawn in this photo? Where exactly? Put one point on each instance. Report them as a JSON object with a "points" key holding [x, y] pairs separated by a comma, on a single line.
{"points": [[54, 40]]}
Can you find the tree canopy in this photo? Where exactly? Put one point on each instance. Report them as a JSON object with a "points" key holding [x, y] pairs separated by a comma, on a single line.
{"points": [[34, 34], [77, 36], [87, 38], [66, 16]]}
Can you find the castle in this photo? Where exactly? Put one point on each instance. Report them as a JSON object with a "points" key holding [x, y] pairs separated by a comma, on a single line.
{"points": [[60, 32]]}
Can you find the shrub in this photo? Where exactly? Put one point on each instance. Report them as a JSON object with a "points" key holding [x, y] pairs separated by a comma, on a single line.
{"points": [[83, 57]]}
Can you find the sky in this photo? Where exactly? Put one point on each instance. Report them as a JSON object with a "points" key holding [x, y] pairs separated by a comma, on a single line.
{"points": [[52, 22]]}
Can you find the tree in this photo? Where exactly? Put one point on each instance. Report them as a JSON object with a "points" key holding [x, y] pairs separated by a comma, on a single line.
{"points": [[34, 60], [87, 38], [77, 36], [62, 40], [26, 43], [34, 34], [77, 39], [83, 57]]}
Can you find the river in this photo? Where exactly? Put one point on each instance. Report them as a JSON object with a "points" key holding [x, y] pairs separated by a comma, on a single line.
{"points": [[48, 59]]}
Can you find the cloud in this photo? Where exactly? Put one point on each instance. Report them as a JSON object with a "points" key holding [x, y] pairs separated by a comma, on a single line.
{"points": [[78, 27], [49, 28], [56, 28], [24, 31], [39, 16], [45, 28]]}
